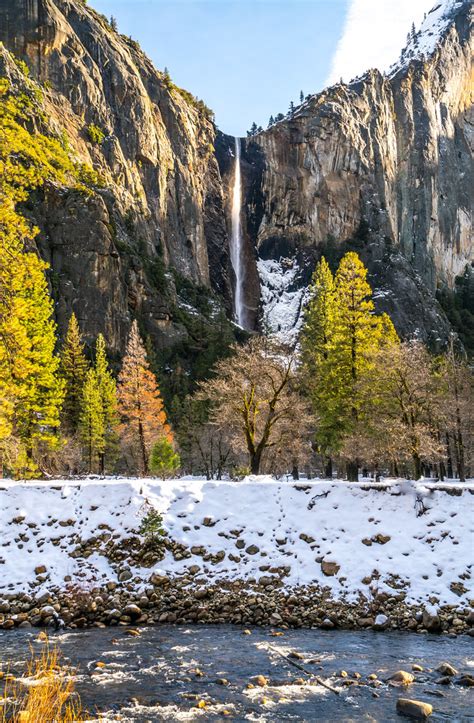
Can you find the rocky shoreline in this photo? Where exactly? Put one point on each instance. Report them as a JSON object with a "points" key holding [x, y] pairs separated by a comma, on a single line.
{"points": [[166, 600]]}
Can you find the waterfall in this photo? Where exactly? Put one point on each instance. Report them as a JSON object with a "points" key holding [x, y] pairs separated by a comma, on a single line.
{"points": [[236, 250]]}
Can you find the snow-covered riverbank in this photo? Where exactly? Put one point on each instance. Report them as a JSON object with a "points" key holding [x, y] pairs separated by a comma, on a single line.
{"points": [[354, 542]]}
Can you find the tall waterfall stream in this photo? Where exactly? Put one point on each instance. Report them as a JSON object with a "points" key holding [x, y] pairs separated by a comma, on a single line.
{"points": [[236, 250]]}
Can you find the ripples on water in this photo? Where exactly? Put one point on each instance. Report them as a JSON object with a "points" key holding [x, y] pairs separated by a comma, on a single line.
{"points": [[163, 673]]}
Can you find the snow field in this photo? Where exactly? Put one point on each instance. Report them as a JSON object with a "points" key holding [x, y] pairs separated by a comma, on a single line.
{"points": [[260, 522]]}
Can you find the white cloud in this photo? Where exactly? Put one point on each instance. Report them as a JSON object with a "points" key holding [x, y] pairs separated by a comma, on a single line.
{"points": [[374, 34]]}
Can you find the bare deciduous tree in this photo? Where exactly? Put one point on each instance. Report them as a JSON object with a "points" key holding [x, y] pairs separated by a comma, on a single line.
{"points": [[255, 399], [459, 388], [404, 410]]}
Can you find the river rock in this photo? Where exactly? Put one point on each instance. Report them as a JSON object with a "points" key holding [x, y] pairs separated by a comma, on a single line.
{"points": [[414, 708], [132, 611], [467, 680], [446, 669], [431, 620], [402, 677]]}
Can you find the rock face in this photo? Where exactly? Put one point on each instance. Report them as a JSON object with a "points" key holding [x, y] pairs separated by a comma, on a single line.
{"points": [[162, 202], [382, 166]]}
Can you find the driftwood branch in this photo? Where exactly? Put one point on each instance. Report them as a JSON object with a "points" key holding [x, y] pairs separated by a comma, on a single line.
{"points": [[303, 669]]}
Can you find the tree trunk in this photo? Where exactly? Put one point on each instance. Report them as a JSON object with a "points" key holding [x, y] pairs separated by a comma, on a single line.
{"points": [[143, 447], [442, 471], [295, 471], [461, 461], [352, 471], [328, 468], [102, 464], [255, 461], [416, 466], [449, 459]]}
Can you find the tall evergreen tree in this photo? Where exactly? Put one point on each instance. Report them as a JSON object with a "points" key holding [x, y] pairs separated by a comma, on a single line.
{"points": [[73, 368], [143, 418], [316, 346], [301, 96], [39, 391], [108, 404], [358, 335], [340, 340], [30, 395], [91, 422]]}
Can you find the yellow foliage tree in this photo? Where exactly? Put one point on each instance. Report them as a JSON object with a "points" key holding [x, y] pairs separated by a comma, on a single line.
{"points": [[30, 394]]}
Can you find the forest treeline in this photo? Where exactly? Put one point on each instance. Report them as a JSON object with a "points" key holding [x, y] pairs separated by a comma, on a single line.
{"points": [[350, 397]]}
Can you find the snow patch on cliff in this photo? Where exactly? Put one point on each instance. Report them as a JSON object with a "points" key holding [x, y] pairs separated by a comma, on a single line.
{"points": [[282, 298], [422, 43]]}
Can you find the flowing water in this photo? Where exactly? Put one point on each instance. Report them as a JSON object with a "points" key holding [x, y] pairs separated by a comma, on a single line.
{"points": [[236, 251], [162, 674]]}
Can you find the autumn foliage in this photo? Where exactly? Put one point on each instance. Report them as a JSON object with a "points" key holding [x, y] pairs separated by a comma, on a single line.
{"points": [[143, 418]]}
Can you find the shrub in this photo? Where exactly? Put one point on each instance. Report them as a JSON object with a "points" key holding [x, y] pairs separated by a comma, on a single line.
{"points": [[151, 527], [164, 461], [95, 134]]}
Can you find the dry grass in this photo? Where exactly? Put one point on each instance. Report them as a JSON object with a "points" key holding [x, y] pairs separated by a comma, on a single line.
{"points": [[44, 695]]}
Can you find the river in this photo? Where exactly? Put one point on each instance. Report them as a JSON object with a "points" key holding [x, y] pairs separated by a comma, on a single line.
{"points": [[162, 674]]}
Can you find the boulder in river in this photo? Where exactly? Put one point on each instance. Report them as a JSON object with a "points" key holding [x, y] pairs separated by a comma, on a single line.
{"points": [[446, 669], [416, 709], [402, 677]]}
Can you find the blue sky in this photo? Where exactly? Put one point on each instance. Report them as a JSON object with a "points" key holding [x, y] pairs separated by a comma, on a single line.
{"points": [[247, 59]]}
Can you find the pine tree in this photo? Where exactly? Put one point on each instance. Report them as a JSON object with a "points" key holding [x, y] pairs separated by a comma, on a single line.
{"points": [[143, 419], [358, 335], [108, 404], [253, 130], [29, 394], [301, 96], [73, 369], [291, 109], [113, 23], [316, 347], [91, 421], [164, 461], [271, 121], [39, 391], [340, 341]]}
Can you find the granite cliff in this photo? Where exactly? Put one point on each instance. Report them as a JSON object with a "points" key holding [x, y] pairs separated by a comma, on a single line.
{"points": [[156, 221], [382, 165]]}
